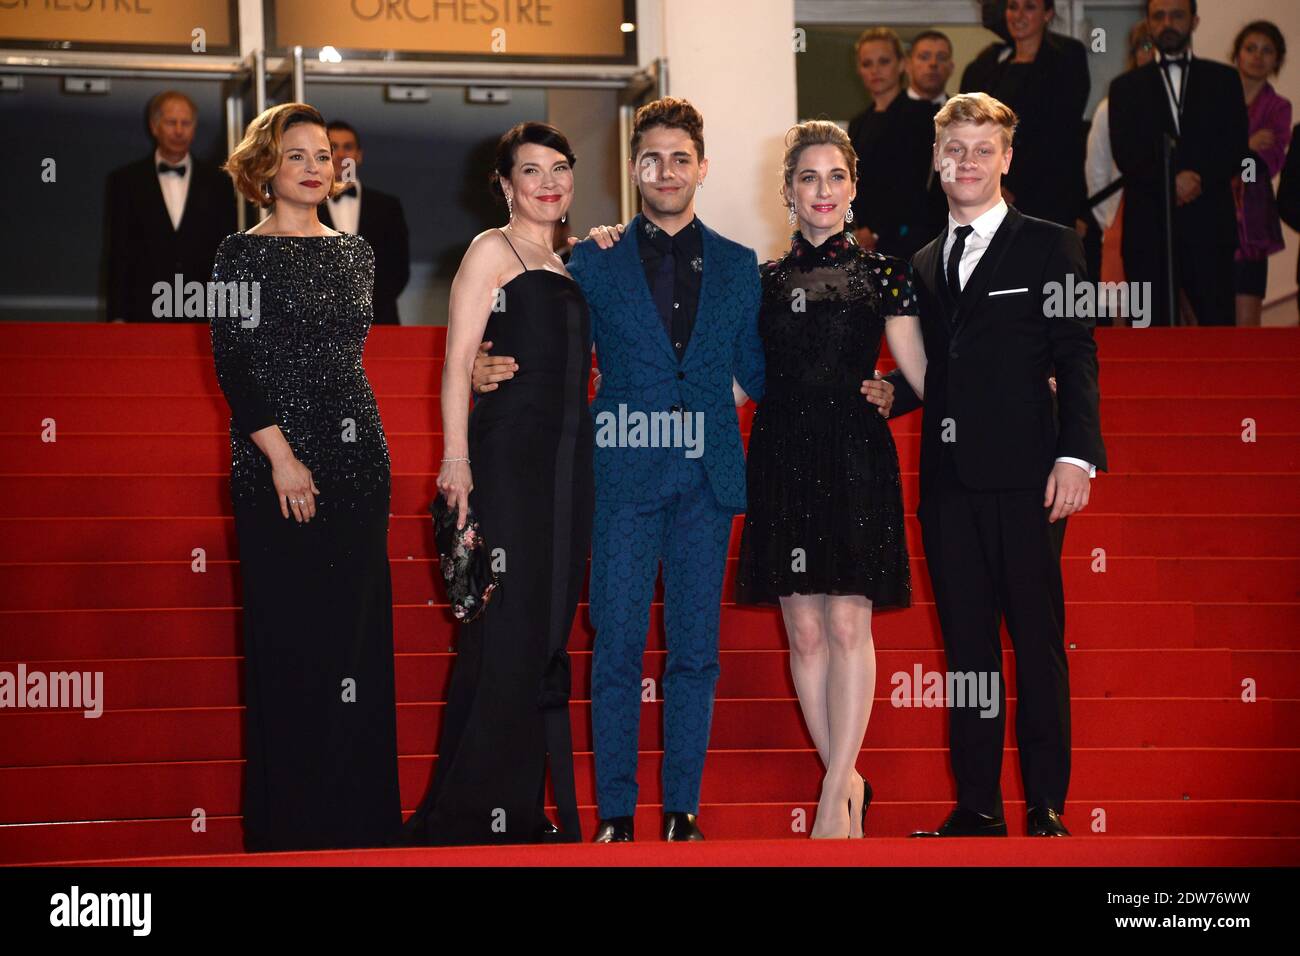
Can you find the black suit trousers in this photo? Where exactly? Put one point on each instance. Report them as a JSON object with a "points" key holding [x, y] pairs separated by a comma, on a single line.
{"points": [[993, 554]]}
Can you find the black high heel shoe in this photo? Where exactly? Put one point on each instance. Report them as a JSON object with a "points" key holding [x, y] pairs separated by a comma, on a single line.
{"points": [[866, 802]]}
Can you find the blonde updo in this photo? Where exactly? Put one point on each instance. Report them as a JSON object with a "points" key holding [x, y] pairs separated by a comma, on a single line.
{"points": [[815, 133], [257, 158]]}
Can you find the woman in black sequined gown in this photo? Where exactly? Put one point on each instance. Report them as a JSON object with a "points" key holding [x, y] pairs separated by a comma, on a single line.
{"points": [[823, 532], [310, 485]]}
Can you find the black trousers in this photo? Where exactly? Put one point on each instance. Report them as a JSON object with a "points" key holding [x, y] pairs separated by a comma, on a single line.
{"points": [[1204, 272], [993, 554]]}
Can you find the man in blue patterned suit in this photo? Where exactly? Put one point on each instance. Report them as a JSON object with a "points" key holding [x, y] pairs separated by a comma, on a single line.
{"points": [[674, 315]]}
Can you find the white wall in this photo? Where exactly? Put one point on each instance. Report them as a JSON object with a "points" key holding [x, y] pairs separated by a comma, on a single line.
{"points": [[1220, 22], [733, 59]]}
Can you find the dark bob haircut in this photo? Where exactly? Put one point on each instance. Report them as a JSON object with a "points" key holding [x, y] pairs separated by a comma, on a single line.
{"points": [[540, 134]]}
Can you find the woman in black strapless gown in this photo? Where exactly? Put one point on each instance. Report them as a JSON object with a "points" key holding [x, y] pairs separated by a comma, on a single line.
{"points": [[530, 447]]}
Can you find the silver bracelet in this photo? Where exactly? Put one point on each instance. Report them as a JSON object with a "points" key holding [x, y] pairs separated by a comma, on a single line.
{"points": [[466, 460]]}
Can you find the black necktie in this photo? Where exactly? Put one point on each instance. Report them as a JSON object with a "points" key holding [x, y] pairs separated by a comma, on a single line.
{"points": [[348, 191], [178, 170], [954, 260]]}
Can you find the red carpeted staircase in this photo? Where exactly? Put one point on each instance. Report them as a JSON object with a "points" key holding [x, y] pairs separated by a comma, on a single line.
{"points": [[1197, 604]]}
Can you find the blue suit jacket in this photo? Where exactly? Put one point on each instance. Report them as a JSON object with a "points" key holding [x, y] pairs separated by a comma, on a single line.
{"points": [[640, 371]]}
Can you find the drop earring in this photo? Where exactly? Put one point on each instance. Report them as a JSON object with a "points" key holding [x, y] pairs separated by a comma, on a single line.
{"points": [[848, 214], [793, 217], [510, 208]]}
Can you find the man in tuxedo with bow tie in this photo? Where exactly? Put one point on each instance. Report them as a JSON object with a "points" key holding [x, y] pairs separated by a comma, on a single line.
{"points": [[1200, 104], [1001, 469], [166, 215], [375, 216]]}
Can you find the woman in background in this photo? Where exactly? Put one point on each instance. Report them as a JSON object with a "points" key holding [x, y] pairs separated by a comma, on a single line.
{"points": [[1258, 52], [1043, 77], [893, 138], [309, 477]]}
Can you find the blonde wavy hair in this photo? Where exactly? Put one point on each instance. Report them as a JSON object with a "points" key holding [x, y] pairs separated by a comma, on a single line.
{"points": [[257, 158]]}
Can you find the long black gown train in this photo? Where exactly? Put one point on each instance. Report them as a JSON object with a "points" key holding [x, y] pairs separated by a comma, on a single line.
{"points": [[530, 450], [320, 714]]}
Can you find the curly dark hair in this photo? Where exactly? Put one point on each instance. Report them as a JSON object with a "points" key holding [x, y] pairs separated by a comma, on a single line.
{"points": [[674, 113]]}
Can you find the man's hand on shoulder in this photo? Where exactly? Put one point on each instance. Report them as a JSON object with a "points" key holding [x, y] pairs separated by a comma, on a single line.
{"points": [[604, 236]]}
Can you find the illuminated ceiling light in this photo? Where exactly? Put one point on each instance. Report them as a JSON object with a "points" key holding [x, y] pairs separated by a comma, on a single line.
{"points": [[330, 55]]}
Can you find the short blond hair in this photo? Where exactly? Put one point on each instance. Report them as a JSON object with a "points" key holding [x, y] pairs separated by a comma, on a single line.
{"points": [[878, 35], [257, 158], [976, 108]]}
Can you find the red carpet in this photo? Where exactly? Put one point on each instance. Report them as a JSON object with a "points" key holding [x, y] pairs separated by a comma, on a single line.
{"points": [[1201, 534]]}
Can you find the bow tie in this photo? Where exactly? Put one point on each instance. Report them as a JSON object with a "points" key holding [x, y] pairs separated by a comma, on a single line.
{"points": [[165, 168], [1174, 60], [348, 191]]}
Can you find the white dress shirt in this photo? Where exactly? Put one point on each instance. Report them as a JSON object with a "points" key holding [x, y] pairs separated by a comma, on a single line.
{"points": [[984, 227], [938, 99], [1175, 73], [174, 188], [1099, 167], [345, 211]]}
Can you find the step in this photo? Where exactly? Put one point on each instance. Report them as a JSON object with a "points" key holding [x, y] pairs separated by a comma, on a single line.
{"points": [[120, 791], [104, 839], [41, 738], [171, 339], [205, 632], [159, 375], [123, 584], [189, 494], [92, 446], [1165, 672], [411, 536]]}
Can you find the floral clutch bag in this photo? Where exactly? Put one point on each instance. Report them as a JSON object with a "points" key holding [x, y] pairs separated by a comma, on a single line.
{"points": [[465, 561]]}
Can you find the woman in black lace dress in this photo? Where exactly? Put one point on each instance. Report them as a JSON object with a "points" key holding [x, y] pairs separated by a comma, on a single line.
{"points": [[823, 533], [309, 478]]}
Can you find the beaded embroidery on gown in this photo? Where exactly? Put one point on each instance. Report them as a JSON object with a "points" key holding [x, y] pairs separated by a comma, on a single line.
{"points": [[825, 512], [320, 716]]}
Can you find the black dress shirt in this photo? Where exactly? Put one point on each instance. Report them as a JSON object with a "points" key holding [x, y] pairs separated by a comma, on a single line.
{"points": [[674, 269]]}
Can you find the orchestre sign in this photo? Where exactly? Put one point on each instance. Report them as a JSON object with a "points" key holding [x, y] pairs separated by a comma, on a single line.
{"points": [[195, 25], [550, 29]]}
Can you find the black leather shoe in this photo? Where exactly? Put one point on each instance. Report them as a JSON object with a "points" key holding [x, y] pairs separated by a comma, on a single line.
{"points": [[1045, 822], [546, 831], [963, 822], [614, 830], [681, 826]]}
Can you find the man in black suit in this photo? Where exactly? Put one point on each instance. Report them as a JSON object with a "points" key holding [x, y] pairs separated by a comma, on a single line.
{"points": [[1201, 105], [1000, 470], [377, 218], [167, 213]]}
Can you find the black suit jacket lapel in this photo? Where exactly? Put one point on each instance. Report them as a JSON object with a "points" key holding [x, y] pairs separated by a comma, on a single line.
{"points": [[972, 293], [152, 194]]}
